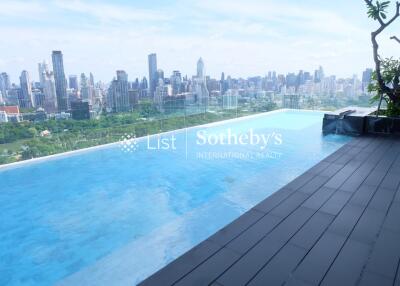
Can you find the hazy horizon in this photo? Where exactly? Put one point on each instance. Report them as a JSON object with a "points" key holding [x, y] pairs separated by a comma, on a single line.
{"points": [[240, 38]]}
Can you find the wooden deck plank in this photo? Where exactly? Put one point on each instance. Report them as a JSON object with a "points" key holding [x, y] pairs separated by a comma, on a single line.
{"points": [[337, 224]]}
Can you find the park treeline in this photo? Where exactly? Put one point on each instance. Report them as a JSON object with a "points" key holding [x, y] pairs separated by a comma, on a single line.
{"points": [[21, 141]]}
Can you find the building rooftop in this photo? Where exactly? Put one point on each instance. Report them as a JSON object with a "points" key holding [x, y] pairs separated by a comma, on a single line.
{"points": [[337, 224], [10, 109]]}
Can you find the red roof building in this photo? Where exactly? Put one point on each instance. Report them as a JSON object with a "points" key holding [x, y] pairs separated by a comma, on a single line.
{"points": [[10, 109]]}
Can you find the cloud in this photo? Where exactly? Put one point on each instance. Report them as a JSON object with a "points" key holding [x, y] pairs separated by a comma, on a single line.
{"points": [[21, 9], [281, 16], [110, 13], [241, 38]]}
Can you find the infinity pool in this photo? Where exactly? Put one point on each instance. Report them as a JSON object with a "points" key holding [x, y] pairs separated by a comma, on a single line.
{"points": [[114, 215]]}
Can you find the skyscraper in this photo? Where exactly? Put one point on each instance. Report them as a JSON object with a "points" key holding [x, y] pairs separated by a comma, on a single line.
{"points": [[49, 90], [366, 79], [152, 73], [26, 97], [91, 80], [43, 69], [118, 95], [176, 81], [60, 81], [73, 82], [85, 89], [319, 75], [201, 91], [200, 68], [5, 84]]}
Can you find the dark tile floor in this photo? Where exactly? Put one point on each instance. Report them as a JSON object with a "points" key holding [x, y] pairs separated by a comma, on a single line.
{"points": [[337, 224]]}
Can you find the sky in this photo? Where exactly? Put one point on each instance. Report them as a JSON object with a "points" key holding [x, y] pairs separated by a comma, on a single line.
{"points": [[241, 38]]}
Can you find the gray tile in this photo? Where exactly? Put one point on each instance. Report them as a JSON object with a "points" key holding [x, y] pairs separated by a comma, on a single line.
{"points": [[300, 181], [318, 198], [381, 200], [288, 227], [314, 184], [373, 279], [312, 230], [346, 220], [255, 233], [253, 261], [290, 204], [232, 230], [297, 282], [397, 281], [357, 178], [331, 170], [375, 178], [385, 255], [392, 220], [363, 195], [340, 177], [348, 265], [391, 180], [336, 202], [369, 226], [317, 169], [316, 263], [182, 265], [272, 201], [209, 270], [278, 270]]}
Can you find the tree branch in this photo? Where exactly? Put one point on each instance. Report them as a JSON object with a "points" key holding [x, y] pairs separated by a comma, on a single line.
{"points": [[396, 81], [395, 38], [384, 88], [370, 5]]}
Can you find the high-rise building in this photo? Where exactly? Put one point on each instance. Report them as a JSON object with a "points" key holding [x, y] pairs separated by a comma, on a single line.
{"points": [[201, 91], [49, 90], [85, 89], [153, 80], [5, 85], [230, 99], [176, 81], [366, 79], [91, 80], [200, 68], [118, 95], [26, 99], [223, 84], [160, 94], [60, 81], [319, 75], [73, 82], [43, 69]]}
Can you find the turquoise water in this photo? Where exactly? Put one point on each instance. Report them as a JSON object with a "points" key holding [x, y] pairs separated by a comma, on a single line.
{"points": [[112, 217]]}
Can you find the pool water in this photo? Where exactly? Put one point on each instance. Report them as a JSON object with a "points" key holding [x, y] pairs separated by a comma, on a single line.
{"points": [[115, 215]]}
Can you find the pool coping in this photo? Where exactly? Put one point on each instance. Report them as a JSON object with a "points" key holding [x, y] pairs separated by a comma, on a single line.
{"points": [[108, 145]]}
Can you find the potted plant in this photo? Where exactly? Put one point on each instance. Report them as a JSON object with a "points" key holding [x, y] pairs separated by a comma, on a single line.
{"points": [[386, 77]]}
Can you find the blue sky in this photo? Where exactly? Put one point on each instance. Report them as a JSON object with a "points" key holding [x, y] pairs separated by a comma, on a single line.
{"points": [[242, 38]]}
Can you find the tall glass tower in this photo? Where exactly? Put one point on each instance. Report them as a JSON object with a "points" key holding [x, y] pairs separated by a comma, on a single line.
{"points": [[26, 98], [200, 68], [152, 74], [60, 81]]}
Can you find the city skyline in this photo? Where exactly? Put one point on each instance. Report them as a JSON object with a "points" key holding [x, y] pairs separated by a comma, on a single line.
{"points": [[102, 37], [153, 66]]}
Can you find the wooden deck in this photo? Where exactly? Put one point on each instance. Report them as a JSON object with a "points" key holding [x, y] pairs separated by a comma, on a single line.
{"points": [[337, 224]]}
